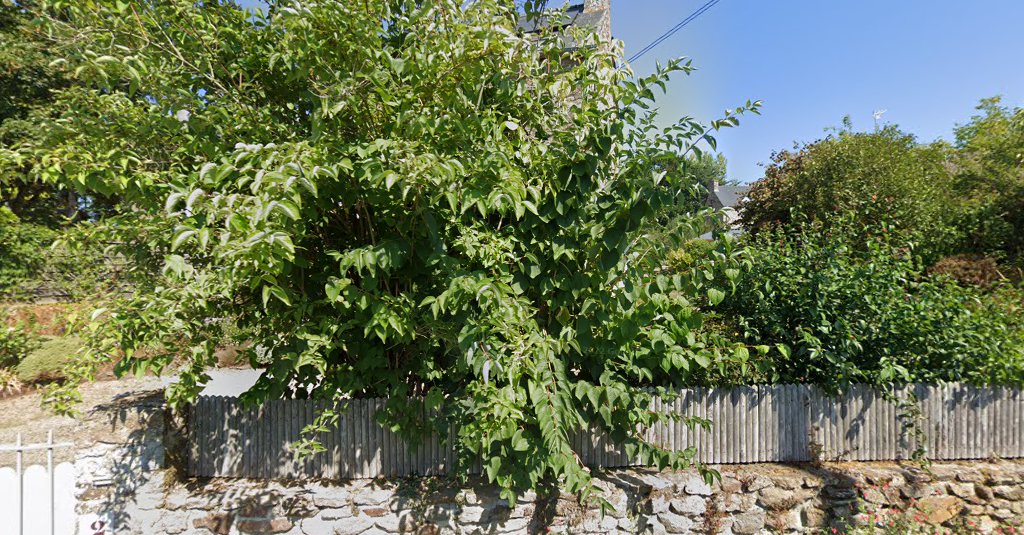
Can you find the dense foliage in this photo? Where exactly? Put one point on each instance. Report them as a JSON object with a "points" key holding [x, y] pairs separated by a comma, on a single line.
{"points": [[855, 305], [412, 199], [15, 343], [36, 340], [47, 359], [846, 169], [961, 199], [35, 206], [23, 249], [28, 85], [65, 264], [679, 218], [990, 182], [394, 198]]}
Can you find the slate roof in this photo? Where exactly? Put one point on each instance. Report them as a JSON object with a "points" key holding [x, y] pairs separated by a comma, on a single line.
{"points": [[573, 16], [729, 195]]}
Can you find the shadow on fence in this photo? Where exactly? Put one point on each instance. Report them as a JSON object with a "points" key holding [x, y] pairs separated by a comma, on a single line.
{"points": [[779, 423]]}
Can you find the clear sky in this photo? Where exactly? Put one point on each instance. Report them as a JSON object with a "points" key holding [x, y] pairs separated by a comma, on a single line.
{"points": [[927, 62]]}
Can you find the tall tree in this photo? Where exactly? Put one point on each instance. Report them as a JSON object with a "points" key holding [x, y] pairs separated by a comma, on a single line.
{"points": [[395, 198], [27, 86]]}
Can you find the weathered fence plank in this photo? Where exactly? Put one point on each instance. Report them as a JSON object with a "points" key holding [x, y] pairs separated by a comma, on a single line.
{"points": [[776, 423]]}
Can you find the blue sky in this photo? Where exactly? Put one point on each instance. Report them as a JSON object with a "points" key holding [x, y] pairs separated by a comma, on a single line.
{"points": [[927, 62]]}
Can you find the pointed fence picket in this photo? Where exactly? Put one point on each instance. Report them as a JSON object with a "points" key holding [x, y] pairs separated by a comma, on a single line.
{"points": [[36, 499]]}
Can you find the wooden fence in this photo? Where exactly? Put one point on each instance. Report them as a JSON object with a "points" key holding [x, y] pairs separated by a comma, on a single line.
{"points": [[781, 423]]}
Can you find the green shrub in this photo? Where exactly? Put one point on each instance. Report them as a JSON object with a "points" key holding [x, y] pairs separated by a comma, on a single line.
{"points": [[9, 382], [46, 361], [847, 169], [23, 248], [990, 181], [67, 263], [964, 198], [692, 253], [855, 306], [14, 345]]}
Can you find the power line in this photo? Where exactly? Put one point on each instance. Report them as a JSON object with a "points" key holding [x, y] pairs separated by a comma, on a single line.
{"points": [[674, 29]]}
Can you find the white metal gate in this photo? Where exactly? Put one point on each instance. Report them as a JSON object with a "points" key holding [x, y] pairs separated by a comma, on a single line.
{"points": [[36, 499]]}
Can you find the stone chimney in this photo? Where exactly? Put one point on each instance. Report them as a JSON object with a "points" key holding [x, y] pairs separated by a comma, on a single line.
{"points": [[604, 28]]}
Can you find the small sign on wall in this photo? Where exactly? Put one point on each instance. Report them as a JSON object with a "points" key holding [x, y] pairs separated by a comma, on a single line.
{"points": [[94, 524]]}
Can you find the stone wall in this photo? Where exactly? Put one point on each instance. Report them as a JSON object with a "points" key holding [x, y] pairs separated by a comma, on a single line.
{"points": [[750, 499], [121, 463]]}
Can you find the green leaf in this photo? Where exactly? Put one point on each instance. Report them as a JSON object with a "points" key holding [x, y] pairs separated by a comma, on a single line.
{"points": [[174, 264], [172, 201], [181, 237], [434, 398], [289, 209]]}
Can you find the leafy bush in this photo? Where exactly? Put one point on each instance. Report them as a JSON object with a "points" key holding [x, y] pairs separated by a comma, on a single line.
{"points": [[28, 81], [990, 180], [9, 382], [409, 199], [14, 345], [23, 248], [965, 198], [46, 362], [40, 262], [855, 306], [79, 267], [847, 169], [691, 254]]}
